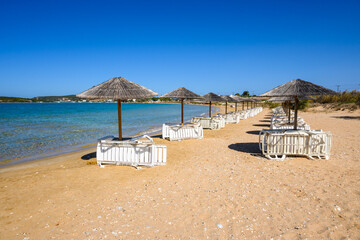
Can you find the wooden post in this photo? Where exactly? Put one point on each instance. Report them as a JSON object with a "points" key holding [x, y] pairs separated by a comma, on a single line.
{"points": [[289, 110], [235, 107], [210, 109], [247, 105], [243, 106], [119, 119], [296, 112], [226, 107], [182, 111]]}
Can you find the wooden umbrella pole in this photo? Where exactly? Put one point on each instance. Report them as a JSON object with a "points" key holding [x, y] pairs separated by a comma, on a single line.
{"points": [[210, 109], [235, 107], [296, 112], [226, 107], [119, 119], [247, 105], [289, 110], [243, 105], [182, 111]]}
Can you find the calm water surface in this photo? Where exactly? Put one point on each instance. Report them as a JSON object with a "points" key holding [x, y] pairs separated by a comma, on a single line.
{"points": [[31, 130]]}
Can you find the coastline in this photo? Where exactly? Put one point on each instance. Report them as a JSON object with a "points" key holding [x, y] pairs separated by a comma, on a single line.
{"points": [[80, 147]]}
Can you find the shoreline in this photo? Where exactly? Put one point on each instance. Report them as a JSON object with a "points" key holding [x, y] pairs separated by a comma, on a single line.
{"points": [[80, 147]]}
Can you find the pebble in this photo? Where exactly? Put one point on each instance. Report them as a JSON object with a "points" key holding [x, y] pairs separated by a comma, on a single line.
{"points": [[219, 225], [337, 208]]}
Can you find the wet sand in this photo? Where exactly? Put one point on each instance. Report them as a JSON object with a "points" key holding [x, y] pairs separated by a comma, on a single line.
{"points": [[219, 187]]}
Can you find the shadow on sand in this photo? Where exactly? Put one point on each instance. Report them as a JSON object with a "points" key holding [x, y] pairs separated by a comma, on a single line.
{"points": [[264, 120], [250, 147], [261, 125], [348, 117], [89, 156], [253, 132], [157, 136]]}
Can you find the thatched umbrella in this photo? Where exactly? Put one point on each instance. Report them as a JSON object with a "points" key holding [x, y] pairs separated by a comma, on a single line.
{"points": [[118, 88], [297, 88], [238, 100], [256, 101], [212, 97], [227, 99], [181, 93], [247, 100]]}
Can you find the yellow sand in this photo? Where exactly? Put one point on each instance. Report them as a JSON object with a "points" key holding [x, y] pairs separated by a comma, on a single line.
{"points": [[217, 188]]}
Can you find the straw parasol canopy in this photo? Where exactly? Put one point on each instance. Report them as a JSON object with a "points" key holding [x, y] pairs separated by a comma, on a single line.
{"points": [[228, 99], [118, 88], [181, 93], [239, 99], [212, 97], [297, 88]]}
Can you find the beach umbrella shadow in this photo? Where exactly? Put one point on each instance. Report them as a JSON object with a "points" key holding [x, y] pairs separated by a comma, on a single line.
{"points": [[89, 156], [249, 147], [348, 117], [253, 132], [261, 125]]}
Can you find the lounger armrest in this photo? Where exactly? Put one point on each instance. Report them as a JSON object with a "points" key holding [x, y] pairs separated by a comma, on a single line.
{"points": [[136, 139]]}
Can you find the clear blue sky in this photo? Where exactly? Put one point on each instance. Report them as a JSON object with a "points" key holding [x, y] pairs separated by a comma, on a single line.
{"points": [[65, 47]]}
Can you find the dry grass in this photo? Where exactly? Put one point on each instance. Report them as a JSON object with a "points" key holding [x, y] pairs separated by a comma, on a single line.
{"points": [[91, 162]]}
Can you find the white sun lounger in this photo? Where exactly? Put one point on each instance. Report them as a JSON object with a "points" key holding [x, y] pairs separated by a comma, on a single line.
{"points": [[277, 144], [130, 153], [213, 123], [182, 132], [231, 118]]}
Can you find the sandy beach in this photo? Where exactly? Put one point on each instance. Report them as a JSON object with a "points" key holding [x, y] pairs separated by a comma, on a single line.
{"points": [[219, 187]]}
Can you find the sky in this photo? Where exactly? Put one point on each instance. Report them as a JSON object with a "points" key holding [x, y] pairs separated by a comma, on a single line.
{"points": [[61, 47]]}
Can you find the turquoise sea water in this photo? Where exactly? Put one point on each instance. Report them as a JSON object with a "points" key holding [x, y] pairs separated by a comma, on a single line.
{"points": [[31, 130]]}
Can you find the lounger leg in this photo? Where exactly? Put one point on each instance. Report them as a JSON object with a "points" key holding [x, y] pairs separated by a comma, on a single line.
{"points": [[276, 158]]}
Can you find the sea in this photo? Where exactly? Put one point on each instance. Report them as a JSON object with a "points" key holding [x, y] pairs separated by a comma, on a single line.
{"points": [[30, 131]]}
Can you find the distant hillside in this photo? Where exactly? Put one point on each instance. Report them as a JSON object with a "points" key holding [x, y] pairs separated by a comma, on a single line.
{"points": [[56, 98], [14, 99], [65, 98]]}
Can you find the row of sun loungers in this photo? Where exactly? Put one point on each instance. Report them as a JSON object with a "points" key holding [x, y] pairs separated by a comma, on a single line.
{"points": [[277, 143], [219, 121], [137, 152], [280, 120]]}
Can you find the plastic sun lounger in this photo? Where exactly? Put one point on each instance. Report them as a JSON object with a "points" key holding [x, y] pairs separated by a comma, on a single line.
{"points": [[277, 144], [182, 132], [212, 123], [130, 153], [231, 118], [287, 126]]}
